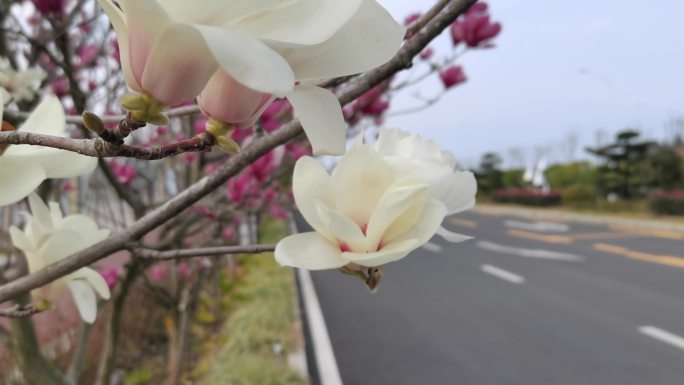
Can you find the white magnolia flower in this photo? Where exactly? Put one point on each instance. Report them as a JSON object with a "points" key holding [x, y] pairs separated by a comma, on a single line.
{"points": [[19, 85], [380, 203], [24, 167], [253, 51], [49, 237]]}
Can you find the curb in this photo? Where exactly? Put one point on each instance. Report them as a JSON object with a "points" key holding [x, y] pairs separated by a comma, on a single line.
{"points": [[577, 217]]}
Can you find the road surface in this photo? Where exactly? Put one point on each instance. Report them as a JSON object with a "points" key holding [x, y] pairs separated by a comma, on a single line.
{"points": [[523, 303]]}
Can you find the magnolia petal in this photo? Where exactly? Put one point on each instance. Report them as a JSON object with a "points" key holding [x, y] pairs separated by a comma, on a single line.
{"points": [[18, 179], [86, 227], [146, 22], [398, 199], [219, 12], [55, 163], [368, 40], [61, 244], [308, 251], [342, 229], [118, 22], [40, 211], [56, 214], [389, 253], [310, 184], [248, 60], [451, 236], [321, 115], [225, 99], [316, 21], [179, 65], [457, 191], [427, 224], [360, 180], [94, 279], [20, 240], [48, 119], [85, 300]]}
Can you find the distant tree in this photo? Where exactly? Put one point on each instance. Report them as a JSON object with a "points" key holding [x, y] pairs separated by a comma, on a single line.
{"points": [[564, 175], [489, 174], [513, 178], [662, 168], [622, 161]]}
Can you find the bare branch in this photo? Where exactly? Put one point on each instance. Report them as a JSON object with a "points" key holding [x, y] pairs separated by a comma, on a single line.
{"points": [[19, 311], [78, 119], [201, 252], [235, 164]]}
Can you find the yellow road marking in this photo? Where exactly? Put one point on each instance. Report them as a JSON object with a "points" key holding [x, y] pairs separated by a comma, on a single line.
{"points": [[667, 260], [464, 223], [540, 237], [667, 234], [606, 235]]}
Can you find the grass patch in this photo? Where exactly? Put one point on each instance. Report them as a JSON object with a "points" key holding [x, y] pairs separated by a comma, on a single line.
{"points": [[260, 331]]}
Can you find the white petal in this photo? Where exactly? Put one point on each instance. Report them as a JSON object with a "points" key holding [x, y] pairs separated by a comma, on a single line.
{"points": [[218, 12], [86, 227], [342, 229], [308, 251], [358, 182], [179, 65], [118, 22], [302, 22], [61, 244], [18, 179], [40, 211], [85, 300], [368, 40], [56, 215], [451, 236], [248, 60], [48, 119], [19, 239], [94, 279], [310, 184], [146, 21], [56, 163], [457, 191], [321, 115], [397, 200], [389, 253], [427, 224]]}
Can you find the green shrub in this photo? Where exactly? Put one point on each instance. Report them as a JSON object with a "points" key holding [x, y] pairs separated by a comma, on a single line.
{"points": [[528, 197], [579, 194], [667, 202]]}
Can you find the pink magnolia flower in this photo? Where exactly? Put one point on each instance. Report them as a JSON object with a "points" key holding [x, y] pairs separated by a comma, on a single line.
{"points": [[46, 7], [68, 186], [60, 87], [87, 54], [277, 211], [427, 53], [410, 19], [452, 76], [228, 234], [157, 272], [111, 275], [125, 173], [262, 168], [183, 270], [474, 28]]}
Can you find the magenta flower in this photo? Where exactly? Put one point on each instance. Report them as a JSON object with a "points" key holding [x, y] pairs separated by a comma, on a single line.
{"points": [[452, 76], [111, 275], [228, 234], [183, 270], [157, 272], [46, 7], [474, 28]]}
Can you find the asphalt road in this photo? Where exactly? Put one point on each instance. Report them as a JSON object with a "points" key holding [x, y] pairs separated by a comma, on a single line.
{"points": [[525, 303]]}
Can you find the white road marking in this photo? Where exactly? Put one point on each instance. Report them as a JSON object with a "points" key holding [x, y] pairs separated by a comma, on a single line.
{"points": [[323, 351], [541, 227], [435, 248], [503, 274], [529, 253], [663, 336]]}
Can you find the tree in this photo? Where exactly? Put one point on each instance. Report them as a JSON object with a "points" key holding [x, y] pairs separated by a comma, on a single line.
{"points": [[489, 174]]}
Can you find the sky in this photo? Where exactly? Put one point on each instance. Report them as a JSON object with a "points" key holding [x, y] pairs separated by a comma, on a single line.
{"points": [[559, 69]]}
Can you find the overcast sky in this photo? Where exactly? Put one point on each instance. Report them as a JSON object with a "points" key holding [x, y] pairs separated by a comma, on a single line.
{"points": [[559, 67]]}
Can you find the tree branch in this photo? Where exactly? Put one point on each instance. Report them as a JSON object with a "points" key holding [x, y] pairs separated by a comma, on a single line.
{"points": [[235, 164], [201, 252], [19, 311]]}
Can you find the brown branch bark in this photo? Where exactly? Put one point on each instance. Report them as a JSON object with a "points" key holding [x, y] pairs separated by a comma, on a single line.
{"points": [[257, 148], [201, 252]]}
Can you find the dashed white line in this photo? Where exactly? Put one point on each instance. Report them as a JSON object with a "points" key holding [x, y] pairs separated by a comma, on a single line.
{"points": [[435, 248], [328, 371], [542, 227], [529, 253], [663, 336], [503, 274]]}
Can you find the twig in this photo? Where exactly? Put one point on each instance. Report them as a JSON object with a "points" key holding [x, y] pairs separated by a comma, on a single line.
{"points": [[200, 252], [19, 311], [234, 165], [101, 148], [77, 119]]}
